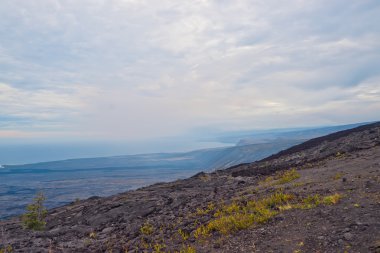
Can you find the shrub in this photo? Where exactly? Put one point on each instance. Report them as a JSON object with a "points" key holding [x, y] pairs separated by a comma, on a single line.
{"points": [[311, 201], [187, 249], [210, 207], [338, 176], [238, 216], [92, 235], [183, 234], [288, 176], [281, 178], [36, 213], [6, 249], [146, 229], [233, 217], [332, 199], [158, 248]]}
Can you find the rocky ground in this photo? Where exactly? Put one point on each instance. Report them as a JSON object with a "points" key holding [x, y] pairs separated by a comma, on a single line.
{"points": [[319, 196]]}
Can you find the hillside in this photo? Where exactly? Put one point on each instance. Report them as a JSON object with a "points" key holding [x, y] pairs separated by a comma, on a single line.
{"points": [[64, 181], [319, 196]]}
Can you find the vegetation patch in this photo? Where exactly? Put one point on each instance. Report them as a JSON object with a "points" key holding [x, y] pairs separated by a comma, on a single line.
{"points": [[159, 247], [205, 178], [288, 176], [338, 176], [36, 213], [267, 180], [309, 202], [146, 229], [187, 249], [6, 249], [298, 184], [234, 217], [238, 216], [210, 207], [92, 235], [184, 235], [281, 178], [219, 220], [332, 199]]}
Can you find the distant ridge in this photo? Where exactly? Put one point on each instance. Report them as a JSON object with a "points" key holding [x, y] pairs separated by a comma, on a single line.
{"points": [[317, 141]]}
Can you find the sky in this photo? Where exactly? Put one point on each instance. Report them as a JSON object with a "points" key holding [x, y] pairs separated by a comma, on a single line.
{"points": [[137, 69]]}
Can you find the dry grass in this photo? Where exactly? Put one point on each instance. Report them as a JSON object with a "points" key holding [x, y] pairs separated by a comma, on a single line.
{"points": [[234, 217], [281, 178], [92, 235], [288, 176], [146, 229], [238, 216], [332, 199], [210, 207], [337, 176], [6, 249], [187, 249], [159, 248], [183, 234]]}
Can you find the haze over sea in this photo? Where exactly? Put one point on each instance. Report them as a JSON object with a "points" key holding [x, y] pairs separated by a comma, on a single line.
{"points": [[18, 186]]}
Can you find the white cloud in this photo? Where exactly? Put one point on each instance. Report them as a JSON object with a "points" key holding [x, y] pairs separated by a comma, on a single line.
{"points": [[43, 109], [155, 68]]}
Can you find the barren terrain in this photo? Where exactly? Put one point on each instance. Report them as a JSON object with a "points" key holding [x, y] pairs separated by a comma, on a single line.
{"points": [[320, 196]]}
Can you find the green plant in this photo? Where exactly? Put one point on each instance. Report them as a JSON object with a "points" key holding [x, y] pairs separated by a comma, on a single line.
{"points": [[144, 244], [310, 202], [242, 215], [146, 229], [288, 176], [158, 248], [267, 180], [183, 234], [6, 249], [86, 242], [92, 235], [338, 176], [332, 199], [205, 178], [187, 249], [36, 213], [298, 184], [201, 231], [233, 217], [281, 178]]}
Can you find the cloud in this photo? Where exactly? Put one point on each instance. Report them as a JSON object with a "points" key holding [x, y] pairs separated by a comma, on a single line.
{"points": [[141, 69], [39, 110]]}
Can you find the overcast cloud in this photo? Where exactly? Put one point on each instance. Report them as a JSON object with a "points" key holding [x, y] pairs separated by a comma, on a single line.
{"points": [[131, 69]]}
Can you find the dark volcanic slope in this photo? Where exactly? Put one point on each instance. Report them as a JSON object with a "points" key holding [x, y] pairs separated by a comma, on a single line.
{"points": [[347, 141], [358, 131], [165, 217]]}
